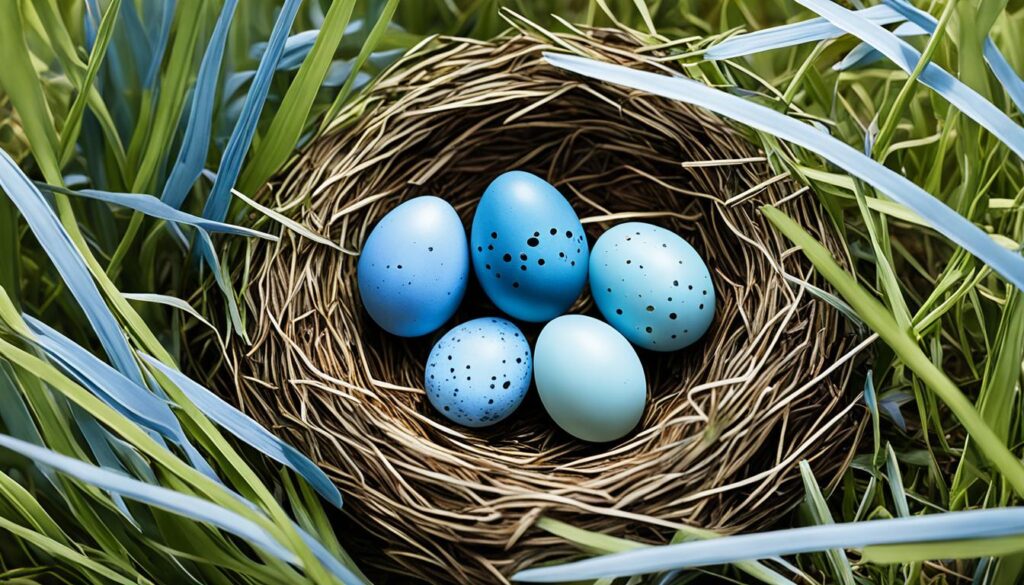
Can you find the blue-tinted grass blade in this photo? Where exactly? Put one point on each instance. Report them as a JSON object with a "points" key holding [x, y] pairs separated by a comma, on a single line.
{"points": [[946, 221], [729, 549], [136, 403], [154, 495], [1001, 68], [96, 437], [196, 141], [161, 32], [329, 560], [241, 137], [808, 31], [968, 101], [62, 252], [153, 207], [132, 400], [250, 431], [864, 54], [296, 47]]}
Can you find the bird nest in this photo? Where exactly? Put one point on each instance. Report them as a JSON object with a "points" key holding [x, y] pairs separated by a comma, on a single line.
{"points": [[727, 419]]}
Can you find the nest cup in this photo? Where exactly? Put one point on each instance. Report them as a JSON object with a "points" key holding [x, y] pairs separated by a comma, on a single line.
{"points": [[727, 419]]}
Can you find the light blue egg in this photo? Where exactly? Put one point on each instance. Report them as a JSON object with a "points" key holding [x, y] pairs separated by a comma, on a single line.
{"points": [[414, 267], [528, 246], [652, 286], [589, 378], [479, 372]]}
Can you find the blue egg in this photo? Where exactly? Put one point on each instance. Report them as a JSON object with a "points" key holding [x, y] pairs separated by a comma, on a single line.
{"points": [[414, 267], [528, 246], [479, 372], [652, 286], [589, 378]]}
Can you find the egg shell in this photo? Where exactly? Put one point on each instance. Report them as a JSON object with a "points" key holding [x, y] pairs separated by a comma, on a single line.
{"points": [[529, 250], [478, 373], [414, 267], [589, 378], [652, 286]]}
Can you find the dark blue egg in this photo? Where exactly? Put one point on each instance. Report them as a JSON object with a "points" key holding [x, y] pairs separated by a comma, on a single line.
{"points": [[528, 247], [479, 372], [414, 267]]}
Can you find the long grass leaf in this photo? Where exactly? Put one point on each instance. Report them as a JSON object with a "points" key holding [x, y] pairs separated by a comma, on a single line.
{"points": [[19, 80], [153, 207], [729, 549], [137, 403], [879, 319], [807, 31], [251, 432], [946, 221], [63, 551], [166, 499], [819, 511], [196, 141], [217, 203], [1001, 68], [69, 263], [368, 47], [288, 123], [906, 57], [131, 399]]}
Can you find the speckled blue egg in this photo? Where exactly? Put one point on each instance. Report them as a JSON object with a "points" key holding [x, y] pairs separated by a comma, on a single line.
{"points": [[652, 286], [479, 372], [414, 267], [529, 250], [589, 378]]}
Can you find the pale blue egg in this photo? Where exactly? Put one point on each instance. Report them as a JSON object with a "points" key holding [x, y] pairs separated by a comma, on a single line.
{"points": [[478, 373], [589, 378], [652, 286], [414, 267], [529, 250]]}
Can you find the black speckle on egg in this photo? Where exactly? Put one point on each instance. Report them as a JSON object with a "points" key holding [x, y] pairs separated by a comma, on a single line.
{"points": [[490, 246], [532, 242], [649, 329], [515, 285], [618, 311], [523, 257], [554, 231], [506, 384], [672, 316], [487, 266], [507, 257], [650, 308], [701, 307], [494, 235], [568, 234], [522, 267], [540, 262]]}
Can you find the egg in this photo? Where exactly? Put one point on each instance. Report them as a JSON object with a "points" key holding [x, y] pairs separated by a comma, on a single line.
{"points": [[529, 250], [414, 266], [652, 286], [589, 378], [478, 373]]}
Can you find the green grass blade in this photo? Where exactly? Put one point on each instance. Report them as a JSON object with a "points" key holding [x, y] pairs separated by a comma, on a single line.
{"points": [[818, 507], [288, 123], [881, 321], [369, 46]]}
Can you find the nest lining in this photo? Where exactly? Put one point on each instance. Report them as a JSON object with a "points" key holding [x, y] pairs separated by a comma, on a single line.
{"points": [[727, 419]]}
